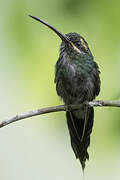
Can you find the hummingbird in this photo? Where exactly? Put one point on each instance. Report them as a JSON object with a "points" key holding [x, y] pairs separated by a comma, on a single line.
{"points": [[77, 81]]}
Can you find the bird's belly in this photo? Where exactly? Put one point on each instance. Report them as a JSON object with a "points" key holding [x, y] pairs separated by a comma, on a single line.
{"points": [[76, 91]]}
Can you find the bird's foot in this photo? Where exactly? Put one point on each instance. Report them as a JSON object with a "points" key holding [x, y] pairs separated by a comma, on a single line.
{"points": [[68, 108]]}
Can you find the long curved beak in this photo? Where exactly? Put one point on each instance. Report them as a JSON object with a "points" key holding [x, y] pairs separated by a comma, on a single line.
{"points": [[62, 36]]}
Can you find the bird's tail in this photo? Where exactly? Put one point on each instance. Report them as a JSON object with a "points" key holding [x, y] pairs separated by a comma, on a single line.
{"points": [[79, 142]]}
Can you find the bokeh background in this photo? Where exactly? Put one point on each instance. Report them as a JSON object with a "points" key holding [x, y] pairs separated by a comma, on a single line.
{"points": [[39, 148]]}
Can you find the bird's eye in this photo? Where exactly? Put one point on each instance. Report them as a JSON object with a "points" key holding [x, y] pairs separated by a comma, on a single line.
{"points": [[78, 43]]}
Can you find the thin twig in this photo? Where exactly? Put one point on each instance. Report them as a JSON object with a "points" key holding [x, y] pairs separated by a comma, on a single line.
{"points": [[29, 114]]}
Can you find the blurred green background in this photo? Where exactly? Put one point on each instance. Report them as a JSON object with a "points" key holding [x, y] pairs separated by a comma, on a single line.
{"points": [[39, 148]]}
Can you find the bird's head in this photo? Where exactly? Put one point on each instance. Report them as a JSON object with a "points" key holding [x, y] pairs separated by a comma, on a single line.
{"points": [[77, 46]]}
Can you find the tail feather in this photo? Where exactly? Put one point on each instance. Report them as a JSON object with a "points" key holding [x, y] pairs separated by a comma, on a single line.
{"points": [[80, 146]]}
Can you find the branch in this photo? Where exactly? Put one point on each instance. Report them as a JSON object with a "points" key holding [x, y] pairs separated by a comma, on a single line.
{"points": [[58, 108]]}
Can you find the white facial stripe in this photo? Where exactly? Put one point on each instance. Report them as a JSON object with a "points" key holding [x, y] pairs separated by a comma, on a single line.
{"points": [[75, 48], [83, 43]]}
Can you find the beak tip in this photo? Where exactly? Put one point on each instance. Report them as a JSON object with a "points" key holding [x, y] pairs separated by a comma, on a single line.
{"points": [[30, 15]]}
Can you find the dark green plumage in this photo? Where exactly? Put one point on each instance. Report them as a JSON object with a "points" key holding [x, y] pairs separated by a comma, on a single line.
{"points": [[77, 80]]}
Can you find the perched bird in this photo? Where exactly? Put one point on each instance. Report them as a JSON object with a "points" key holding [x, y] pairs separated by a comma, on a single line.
{"points": [[77, 81]]}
